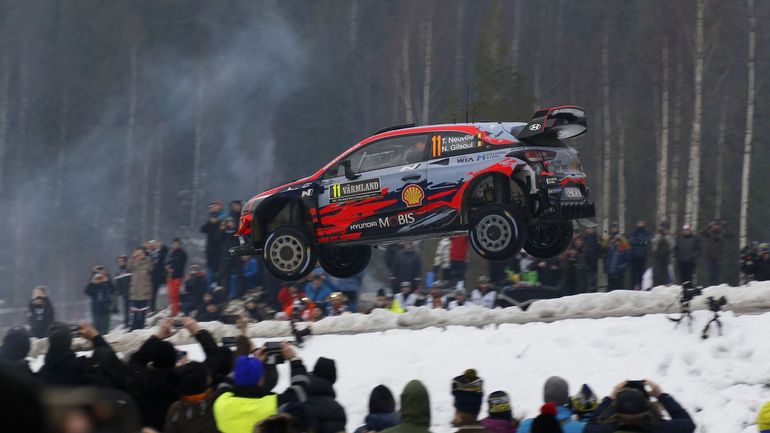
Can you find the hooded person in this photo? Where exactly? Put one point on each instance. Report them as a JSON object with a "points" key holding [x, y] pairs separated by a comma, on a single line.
{"points": [[326, 414], [629, 409], [382, 411], [194, 411], [763, 419], [249, 401], [500, 419], [41, 312], [556, 391], [415, 410], [468, 392], [14, 351], [584, 403], [61, 366]]}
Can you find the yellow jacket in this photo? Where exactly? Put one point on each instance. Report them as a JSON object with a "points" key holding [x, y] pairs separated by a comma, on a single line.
{"points": [[240, 414]]}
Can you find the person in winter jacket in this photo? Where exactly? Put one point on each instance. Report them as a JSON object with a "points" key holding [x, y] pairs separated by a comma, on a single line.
{"points": [[140, 290], [460, 300], [101, 291], [157, 253], [382, 411], [584, 403], [326, 414], [573, 279], [436, 298], [213, 239], [41, 312], [249, 401], [639, 239], [415, 410], [546, 422], [61, 366], [288, 295], [500, 419], [14, 351], [175, 266], [232, 267], [762, 263], [407, 265], [122, 287], [406, 298], [714, 245], [468, 393], [388, 302], [616, 259], [687, 254], [763, 419], [556, 391], [193, 412], [194, 288], [662, 246], [458, 258], [592, 253], [629, 409], [441, 265], [484, 295], [319, 289]]}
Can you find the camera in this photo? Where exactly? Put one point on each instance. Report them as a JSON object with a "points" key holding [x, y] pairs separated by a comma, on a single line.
{"points": [[639, 385], [178, 323], [274, 352], [75, 329], [716, 304], [689, 292], [300, 334], [230, 319]]}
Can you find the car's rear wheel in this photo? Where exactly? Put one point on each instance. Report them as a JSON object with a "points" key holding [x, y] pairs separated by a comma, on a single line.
{"points": [[289, 254], [496, 232], [344, 262], [545, 240]]}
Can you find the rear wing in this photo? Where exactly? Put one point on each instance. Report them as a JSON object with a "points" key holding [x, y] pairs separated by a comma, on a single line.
{"points": [[560, 122]]}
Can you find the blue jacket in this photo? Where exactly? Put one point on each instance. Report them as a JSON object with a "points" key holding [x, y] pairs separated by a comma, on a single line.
{"points": [[379, 422], [564, 416], [615, 261], [639, 239], [322, 293], [680, 421]]}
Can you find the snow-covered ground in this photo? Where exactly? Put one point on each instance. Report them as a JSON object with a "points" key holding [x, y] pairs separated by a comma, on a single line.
{"points": [[721, 381]]}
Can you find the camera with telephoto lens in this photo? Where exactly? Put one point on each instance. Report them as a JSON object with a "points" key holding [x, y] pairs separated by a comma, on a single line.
{"points": [[274, 352], [716, 304], [689, 292]]}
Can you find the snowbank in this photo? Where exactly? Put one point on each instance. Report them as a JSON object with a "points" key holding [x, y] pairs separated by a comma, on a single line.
{"points": [[754, 297], [721, 381]]}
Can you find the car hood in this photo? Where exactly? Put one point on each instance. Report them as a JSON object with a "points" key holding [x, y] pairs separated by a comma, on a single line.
{"points": [[251, 204]]}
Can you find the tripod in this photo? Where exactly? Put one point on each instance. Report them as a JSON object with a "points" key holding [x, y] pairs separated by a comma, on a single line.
{"points": [[705, 333], [686, 313]]}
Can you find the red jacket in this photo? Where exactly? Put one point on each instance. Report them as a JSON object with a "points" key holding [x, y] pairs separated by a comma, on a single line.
{"points": [[458, 249]]}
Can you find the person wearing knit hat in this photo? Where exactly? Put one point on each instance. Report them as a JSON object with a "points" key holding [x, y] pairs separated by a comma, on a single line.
{"points": [[194, 411], [556, 391], [500, 418], [584, 403], [763, 419], [415, 410], [250, 400], [328, 416], [468, 392], [629, 409], [546, 422], [382, 411], [15, 349], [62, 367]]}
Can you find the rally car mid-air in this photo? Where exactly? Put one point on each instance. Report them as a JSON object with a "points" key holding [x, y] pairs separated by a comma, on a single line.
{"points": [[507, 185]]}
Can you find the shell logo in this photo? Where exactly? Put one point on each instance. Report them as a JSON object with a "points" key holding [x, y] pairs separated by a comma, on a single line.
{"points": [[412, 195]]}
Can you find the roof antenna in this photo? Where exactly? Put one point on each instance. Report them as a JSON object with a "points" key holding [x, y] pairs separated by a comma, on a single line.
{"points": [[467, 94]]}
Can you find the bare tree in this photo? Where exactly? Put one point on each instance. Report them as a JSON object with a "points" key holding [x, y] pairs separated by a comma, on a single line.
{"points": [[5, 76], [663, 167], [407, 78], [130, 131], [692, 204], [721, 151], [676, 146], [749, 135], [622, 180], [198, 148], [158, 189], [607, 133], [428, 28]]}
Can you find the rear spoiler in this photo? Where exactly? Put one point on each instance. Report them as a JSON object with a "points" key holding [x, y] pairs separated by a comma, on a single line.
{"points": [[560, 122]]}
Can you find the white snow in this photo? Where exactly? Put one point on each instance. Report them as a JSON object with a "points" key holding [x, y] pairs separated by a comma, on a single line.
{"points": [[721, 381]]}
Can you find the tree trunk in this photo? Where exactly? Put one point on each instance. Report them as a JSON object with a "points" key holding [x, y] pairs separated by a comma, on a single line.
{"points": [[607, 151], [622, 180], [721, 151], [196, 174], [5, 76], [459, 67], [158, 193], [406, 71], [128, 163], [676, 148], [144, 233], [749, 135], [664, 154], [692, 204], [516, 31], [61, 173], [427, 65], [18, 211]]}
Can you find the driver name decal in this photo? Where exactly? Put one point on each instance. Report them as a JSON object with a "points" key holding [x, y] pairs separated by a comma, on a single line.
{"points": [[441, 144], [341, 192]]}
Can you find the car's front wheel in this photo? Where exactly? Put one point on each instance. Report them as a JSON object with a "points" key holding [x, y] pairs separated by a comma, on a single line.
{"points": [[546, 240], [496, 232], [289, 255], [344, 262]]}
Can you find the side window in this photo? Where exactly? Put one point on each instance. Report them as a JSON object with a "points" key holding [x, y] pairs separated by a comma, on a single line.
{"points": [[390, 152], [453, 143]]}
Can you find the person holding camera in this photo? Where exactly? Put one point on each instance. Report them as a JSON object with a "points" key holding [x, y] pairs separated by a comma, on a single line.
{"points": [[41, 312], [250, 400], [140, 290], [101, 291], [629, 409], [175, 264], [62, 367]]}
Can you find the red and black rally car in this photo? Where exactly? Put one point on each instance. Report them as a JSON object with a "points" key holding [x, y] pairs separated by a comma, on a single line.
{"points": [[508, 185]]}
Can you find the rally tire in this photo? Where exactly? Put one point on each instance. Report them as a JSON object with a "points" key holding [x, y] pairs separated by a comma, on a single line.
{"points": [[496, 232], [344, 262], [289, 254], [546, 240]]}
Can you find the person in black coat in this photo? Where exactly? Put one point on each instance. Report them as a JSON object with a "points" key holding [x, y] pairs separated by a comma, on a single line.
{"points": [[407, 265], [41, 312], [151, 380], [175, 266], [327, 415], [101, 291], [629, 410], [122, 286], [14, 351], [158, 253], [382, 411], [592, 252], [194, 288], [61, 366]]}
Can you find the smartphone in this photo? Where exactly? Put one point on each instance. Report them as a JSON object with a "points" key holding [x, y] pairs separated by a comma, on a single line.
{"points": [[274, 355], [640, 385], [75, 329], [229, 342], [178, 323]]}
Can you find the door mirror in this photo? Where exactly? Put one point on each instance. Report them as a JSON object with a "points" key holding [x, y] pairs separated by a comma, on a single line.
{"points": [[344, 169]]}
